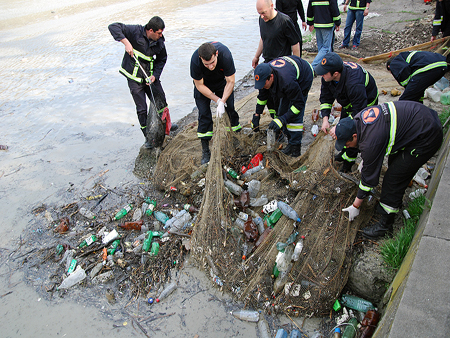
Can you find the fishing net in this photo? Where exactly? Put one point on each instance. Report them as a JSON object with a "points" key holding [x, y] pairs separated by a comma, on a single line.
{"points": [[310, 184]]}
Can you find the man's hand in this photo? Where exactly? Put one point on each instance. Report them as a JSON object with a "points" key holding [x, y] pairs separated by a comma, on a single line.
{"points": [[345, 8], [304, 25], [151, 79], [255, 122], [333, 132], [325, 125], [220, 108], [276, 125], [311, 28], [433, 38], [128, 46], [352, 212], [255, 62]]}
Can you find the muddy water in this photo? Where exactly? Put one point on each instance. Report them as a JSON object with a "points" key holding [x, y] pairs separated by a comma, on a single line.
{"points": [[66, 115]]}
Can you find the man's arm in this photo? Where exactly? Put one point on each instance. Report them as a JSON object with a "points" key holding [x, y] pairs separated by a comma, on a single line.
{"points": [[259, 51], [296, 49], [229, 87], [199, 84]]}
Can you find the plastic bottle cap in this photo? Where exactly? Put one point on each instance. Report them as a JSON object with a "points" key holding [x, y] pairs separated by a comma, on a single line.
{"points": [[244, 257], [150, 300], [157, 300]]}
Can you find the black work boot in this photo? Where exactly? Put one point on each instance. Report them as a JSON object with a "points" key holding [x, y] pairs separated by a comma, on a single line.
{"points": [[293, 150], [206, 154], [380, 228], [346, 167]]}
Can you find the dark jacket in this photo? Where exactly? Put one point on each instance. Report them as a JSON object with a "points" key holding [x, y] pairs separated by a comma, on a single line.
{"points": [[441, 21], [358, 4], [323, 13], [417, 127], [355, 91], [290, 81], [291, 8], [151, 54]]}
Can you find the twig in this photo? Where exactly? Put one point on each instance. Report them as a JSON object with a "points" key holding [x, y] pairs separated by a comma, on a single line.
{"points": [[45, 135], [191, 296], [150, 318], [8, 293]]}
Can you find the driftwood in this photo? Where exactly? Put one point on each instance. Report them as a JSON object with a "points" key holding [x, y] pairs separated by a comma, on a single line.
{"points": [[423, 46]]}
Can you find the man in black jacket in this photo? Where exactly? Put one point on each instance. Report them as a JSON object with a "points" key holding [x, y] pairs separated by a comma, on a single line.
{"points": [[416, 71], [146, 43], [291, 8], [406, 131], [352, 87]]}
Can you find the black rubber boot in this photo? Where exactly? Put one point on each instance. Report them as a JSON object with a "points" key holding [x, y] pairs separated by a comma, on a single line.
{"points": [[346, 167], [380, 228], [174, 127], [292, 150], [206, 154]]}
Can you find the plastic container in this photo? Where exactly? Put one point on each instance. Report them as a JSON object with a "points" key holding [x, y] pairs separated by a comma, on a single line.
{"points": [[110, 237], [297, 250], [271, 140], [433, 94], [171, 287], [273, 218], [151, 206], [233, 188], [351, 329], [160, 216], [288, 211], [247, 315], [356, 303], [122, 212], [253, 188], [74, 278], [263, 327], [315, 130], [445, 98], [252, 171], [422, 172], [295, 334], [420, 181], [281, 333], [86, 213], [441, 84], [258, 202], [283, 259], [416, 193]]}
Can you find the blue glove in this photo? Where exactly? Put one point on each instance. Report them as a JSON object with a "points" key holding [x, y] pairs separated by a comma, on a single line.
{"points": [[276, 125]]}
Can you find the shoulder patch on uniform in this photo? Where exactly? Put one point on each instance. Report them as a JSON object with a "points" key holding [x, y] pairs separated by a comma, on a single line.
{"points": [[278, 63], [370, 115], [352, 65]]}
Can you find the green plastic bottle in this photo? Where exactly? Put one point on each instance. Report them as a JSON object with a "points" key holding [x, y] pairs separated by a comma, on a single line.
{"points": [[273, 218], [88, 241], [125, 210], [59, 249], [148, 241], [275, 271], [356, 303], [72, 266], [151, 206], [155, 248], [231, 172], [351, 329], [113, 247]]}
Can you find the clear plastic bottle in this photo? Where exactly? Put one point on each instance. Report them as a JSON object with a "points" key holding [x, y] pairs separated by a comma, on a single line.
{"points": [[258, 202], [171, 287], [263, 327], [253, 188], [271, 140], [240, 223], [160, 216], [356, 303], [298, 249], [420, 181], [416, 193], [258, 221], [433, 94], [74, 278], [281, 333], [122, 212], [288, 211], [283, 259], [86, 213], [252, 171], [178, 221], [295, 334], [441, 84], [233, 188], [315, 130], [247, 315]]}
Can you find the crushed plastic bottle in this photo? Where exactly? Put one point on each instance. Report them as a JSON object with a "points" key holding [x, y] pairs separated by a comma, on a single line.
{"points": [[253, 188], [86, 213], [295, 334], [298, 249], [74, 278], [110, 237], [233, 188], [288, 211], [337, 333], [178, 221], [113, 247], [273, 218], [148, 241], [160, 216], [252, 171], [263, 327], [356, 303], [247, 315], [155, 249], [420, 181], [283, 259], [433, 94], [258, 202], [416, 193], [72, 266], [441, 84], [171, 287], [255, 161], [122, 212]]}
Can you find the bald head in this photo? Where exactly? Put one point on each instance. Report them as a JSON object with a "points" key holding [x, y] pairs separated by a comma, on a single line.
{"points": [[265, 9]]}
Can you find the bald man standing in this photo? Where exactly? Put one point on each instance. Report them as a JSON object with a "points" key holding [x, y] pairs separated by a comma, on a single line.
{"points": [[278, 38]]}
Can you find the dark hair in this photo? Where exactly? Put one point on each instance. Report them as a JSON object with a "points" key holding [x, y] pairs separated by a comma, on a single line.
{"points": [[155, 24], [206, 51]]}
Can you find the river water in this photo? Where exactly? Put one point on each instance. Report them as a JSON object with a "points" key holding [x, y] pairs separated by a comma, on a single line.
{"points": [[66, 115]]}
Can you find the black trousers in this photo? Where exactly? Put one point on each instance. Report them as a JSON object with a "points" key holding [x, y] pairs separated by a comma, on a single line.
{"points": [[415, 89], [205, 120], [402, 166], [140, 92]]}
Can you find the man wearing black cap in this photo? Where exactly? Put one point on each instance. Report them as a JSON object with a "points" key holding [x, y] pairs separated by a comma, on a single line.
{"points": [[352, 87], [213, 72], [288, 78], [416, 71], [409, 133]]}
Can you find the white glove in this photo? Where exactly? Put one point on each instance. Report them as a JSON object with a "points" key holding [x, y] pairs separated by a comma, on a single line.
{"points": [[360, 166], [220, 108], [352, 212]]}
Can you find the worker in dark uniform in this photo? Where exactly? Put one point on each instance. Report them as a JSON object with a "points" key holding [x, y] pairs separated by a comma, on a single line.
{"points": [[291, 8], [409, 133], [278, 38], [441, 21], [352, 87], [146, 43], [213, 72], [416, 71], [289, 78]]}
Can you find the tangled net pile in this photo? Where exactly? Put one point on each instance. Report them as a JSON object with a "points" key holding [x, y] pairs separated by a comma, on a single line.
{"points": [[310, 184]]}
